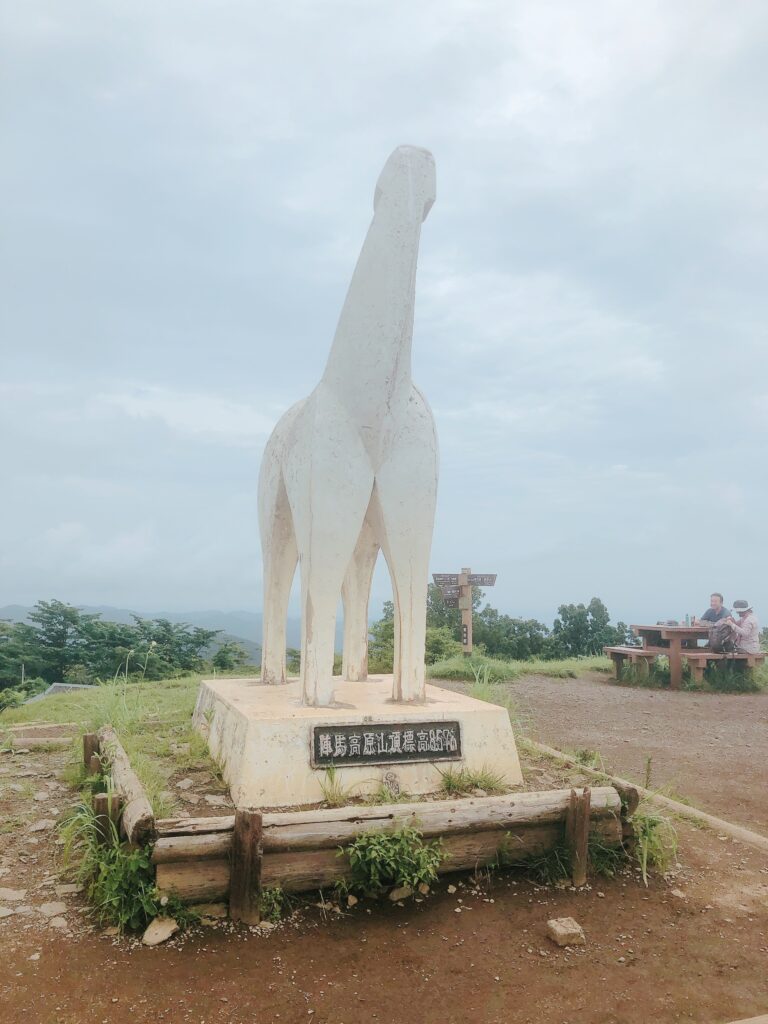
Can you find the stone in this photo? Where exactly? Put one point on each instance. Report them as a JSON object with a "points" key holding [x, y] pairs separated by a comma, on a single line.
{"points": [[41, 796], [68, 889], [15, 787], [44, 825], [365, 430], [12, 895], [218, 910], [217, 800], [52, 909], [185, 784], [5, 912], [402, 892], [352, 900], [423, 888], [160, 930], [59, 922], [451, 890], [565, 931], [479, 792], [677, 893]]}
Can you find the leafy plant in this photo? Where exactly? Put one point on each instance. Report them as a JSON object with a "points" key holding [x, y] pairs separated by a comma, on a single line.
{"points": [[726, 677], [381, 860], [604, 860], [119, 881], [655, 841], [384, 795], [273, 904], [547, 867]]}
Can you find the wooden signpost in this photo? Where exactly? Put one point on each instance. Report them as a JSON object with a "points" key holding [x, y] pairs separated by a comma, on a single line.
{"points": [[456, 588]]}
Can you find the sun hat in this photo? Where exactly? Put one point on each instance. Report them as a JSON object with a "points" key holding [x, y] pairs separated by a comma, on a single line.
{"points": [[742, 606]]}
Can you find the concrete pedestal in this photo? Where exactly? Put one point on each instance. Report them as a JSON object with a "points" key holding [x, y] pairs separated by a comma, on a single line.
{"points": [[273, 750]]}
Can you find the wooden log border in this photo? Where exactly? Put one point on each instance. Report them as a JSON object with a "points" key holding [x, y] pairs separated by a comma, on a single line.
{"points": [[132, 808], [206, 859]]}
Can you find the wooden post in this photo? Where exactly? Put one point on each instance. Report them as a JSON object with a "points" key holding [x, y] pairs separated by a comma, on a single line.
{"points": [[94, 765], [101, 810], [577, 834], [90, 748], [245, 870], [465, 604]]}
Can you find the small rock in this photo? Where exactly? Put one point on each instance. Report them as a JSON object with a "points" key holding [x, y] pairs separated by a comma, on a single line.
{"points": [[5, 912], [451, 889], [15, 787], [160, 930], [35, 956], [266, 926], [621, 960], [677, 893], [423, 888], [43, 825], [402, 892], [212, 910], [12, 895], [52, 909], [59, 922], [111, 931], [352, 900], [479, 792], [216, 800], [565, 931], [185, 784], [601, 895], [68, 889], [40, 797]]}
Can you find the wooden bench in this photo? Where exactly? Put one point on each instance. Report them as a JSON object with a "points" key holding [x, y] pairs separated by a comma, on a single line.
{"points": [[697, 658]]}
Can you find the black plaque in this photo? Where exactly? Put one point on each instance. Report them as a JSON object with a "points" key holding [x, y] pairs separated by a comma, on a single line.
{"points": [[389, 743], [446, 579], [450, 591], [480, 579], [451, 602]]}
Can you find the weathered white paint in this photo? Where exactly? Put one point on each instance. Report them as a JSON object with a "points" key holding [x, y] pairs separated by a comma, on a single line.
{"points": [[261, 737], [353, 468]]}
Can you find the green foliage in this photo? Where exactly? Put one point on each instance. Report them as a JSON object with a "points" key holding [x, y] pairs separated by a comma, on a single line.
{"points": [[274, 904], [584, 629], [440, 644], [334, 793], [726, 677], [546, 868], [119, 881], [604, 860], [61, 643], [461, 668], [655, 841], [458, 781], [231, 655], [383, 860]]}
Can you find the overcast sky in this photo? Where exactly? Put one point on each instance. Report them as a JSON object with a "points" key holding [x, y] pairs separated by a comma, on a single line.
{"points": [[185, 187]]}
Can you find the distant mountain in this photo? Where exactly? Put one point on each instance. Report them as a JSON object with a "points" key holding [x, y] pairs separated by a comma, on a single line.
{"points": [[245, 627]]}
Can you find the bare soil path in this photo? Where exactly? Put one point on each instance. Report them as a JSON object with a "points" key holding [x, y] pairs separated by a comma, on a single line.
{"points": [[478, 954], [709, 748]]}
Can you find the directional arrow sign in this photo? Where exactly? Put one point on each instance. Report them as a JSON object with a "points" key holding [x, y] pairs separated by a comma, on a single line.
{"points": [[479, 579], [446, 579]]}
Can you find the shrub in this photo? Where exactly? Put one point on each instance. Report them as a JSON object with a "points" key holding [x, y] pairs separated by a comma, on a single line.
{"points": [[656, 841], [461, 668], [725, 677], [381, 860]]}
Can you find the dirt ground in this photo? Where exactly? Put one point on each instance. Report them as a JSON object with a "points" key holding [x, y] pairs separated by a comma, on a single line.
{"points": [[710, 748], [691, 947]]}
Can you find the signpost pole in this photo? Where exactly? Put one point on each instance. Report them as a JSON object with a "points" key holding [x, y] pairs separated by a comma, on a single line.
{"points": [[465, 605]]}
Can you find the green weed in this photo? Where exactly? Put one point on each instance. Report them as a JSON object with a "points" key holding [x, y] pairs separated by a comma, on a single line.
{"points": [[335, 794], [274, 904], [459, 781], [382, 860], [655, 841]]}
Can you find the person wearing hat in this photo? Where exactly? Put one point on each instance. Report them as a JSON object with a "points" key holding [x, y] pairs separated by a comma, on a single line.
{"points": [[746, 630]]}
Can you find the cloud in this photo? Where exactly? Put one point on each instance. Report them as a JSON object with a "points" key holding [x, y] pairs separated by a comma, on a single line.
{"points": [[193, 415]]}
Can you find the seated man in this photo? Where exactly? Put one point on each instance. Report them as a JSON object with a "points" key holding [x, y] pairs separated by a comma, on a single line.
{"points": [[746, 630], [715, 612]]}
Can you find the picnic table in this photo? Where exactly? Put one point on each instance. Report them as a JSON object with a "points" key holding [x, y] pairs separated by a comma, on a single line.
{"points": [[672, 641]]}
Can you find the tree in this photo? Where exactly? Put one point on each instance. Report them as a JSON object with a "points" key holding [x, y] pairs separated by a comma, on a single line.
{"points": [[230, 655], [59, 637], [502, 636], [584, 630]]}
